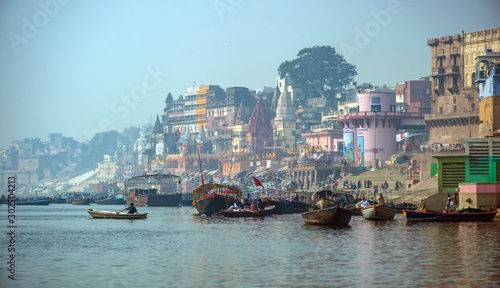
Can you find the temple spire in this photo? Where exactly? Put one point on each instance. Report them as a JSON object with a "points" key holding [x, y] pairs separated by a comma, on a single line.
{"points": [[276, 97], [158, 129], [285, 110]]}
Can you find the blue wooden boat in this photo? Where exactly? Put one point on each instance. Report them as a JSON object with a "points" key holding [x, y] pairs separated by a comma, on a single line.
{"points": [[461, 215]]}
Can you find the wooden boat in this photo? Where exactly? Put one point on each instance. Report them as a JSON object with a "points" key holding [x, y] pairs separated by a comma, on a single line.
{"points": [[355, 210], [402, 206], [281, 206], [300, 206], [114, 215], [58, 200], [212, 198], [187, 199], [33, 202], [328, 216], [153, 190], [329, 198], [247, 213], [460, 215], [378, 213], [81, 201], [112, 201]]}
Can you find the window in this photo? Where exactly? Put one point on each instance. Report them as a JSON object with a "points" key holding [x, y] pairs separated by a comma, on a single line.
{"points": [[454, 100], [440, 110], [454, 108], [473, 106]]}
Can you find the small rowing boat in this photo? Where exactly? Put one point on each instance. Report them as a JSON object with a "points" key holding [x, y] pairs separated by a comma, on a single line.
{"points": [[329, 216], [248, 213], [114, 215], [378, 213], [461, 215]]}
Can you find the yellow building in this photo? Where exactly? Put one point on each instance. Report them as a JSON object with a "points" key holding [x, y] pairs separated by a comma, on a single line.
{"points": [[201, 106], [473, 45]]}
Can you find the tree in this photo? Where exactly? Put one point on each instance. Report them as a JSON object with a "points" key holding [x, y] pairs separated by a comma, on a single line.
{"points": [[319, 71]]}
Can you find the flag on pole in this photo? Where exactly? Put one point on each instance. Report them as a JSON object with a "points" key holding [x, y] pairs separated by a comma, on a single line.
{"points": [[257, 182]]}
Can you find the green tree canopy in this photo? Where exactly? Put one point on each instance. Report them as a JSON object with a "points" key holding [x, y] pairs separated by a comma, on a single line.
{"points": [[318, 71]]}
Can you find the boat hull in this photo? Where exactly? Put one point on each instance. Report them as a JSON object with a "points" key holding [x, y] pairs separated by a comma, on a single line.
{"points": [[117, 201], [34, 202], [114, 215], [187, 199], [281, 207], [85, 201], [328, 216], [153, 200], [210, 204], [355, 211], [247, 213], [378, 213], [433, 216], [300, 207]]}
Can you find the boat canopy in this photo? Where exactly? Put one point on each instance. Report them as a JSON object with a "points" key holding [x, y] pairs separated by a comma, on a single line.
{"points": [[203, 190]]}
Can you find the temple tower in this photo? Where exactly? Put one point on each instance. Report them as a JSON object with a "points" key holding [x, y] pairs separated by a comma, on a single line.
{"points": [[285, 122], [260, 131]]}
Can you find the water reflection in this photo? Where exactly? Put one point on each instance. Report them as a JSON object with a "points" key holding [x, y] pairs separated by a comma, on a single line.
{"points": [[172, 248]]}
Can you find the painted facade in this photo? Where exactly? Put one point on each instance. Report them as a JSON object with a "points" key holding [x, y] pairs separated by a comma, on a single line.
{"points": [[375, 125]]}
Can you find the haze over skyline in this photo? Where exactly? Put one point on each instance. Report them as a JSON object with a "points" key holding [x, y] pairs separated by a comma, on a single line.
{"points": [[82, 67]]}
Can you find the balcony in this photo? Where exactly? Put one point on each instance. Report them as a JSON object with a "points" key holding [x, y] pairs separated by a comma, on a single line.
{"points": [[452, 69], [439, 90], [438, 70], [452, 88]]}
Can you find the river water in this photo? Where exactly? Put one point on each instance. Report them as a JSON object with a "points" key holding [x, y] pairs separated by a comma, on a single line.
{"points": [[60, 245]]}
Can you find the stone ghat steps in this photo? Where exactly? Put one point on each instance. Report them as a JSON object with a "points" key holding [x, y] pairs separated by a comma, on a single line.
{"points": [[378, 177]]}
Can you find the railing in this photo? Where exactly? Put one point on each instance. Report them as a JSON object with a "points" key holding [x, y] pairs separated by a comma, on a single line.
{"points": [[438, 70], [313, 164], [452, 69], [370, 114], [452, 115]]}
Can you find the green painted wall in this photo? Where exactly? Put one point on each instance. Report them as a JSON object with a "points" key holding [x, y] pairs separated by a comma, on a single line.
{"points": [[434, 169]]}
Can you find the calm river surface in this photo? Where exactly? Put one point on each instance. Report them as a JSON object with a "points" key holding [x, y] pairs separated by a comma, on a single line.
{"points": [[60, 245]]}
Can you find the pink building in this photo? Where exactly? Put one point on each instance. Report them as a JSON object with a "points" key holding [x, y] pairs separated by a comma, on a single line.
{"points": [[375, 125], [328, 141]]}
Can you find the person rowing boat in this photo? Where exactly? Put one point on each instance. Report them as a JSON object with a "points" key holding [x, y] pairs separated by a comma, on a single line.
{"points": [[131, 209]]}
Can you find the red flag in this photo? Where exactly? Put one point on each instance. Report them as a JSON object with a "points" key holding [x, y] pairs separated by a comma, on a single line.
{"points": [[257, 182], [120, 161]]}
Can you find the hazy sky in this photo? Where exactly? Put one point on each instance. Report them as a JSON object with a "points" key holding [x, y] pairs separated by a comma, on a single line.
{"points": [[81, 67]]}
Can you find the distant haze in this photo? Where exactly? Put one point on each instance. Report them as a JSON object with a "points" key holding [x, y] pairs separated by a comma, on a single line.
{"points": [[81, 67]]}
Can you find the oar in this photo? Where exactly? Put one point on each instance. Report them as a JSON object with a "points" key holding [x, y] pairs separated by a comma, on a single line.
{"points": [[118, 213], [189, 209]]}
